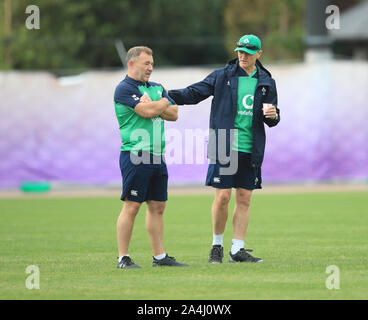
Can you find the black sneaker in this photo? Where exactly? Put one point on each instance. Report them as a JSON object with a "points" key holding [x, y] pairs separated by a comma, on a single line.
{"points": [[216, 254], [167, 261], [127, 263], [243, 256]]}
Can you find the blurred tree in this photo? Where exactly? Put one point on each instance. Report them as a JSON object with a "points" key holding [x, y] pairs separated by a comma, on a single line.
{"points": [[279, 25], [81, 34], [57, 41]]}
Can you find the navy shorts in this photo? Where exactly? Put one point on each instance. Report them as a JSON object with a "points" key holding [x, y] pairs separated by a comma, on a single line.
{"points": [[142, 182], [246, 177]]}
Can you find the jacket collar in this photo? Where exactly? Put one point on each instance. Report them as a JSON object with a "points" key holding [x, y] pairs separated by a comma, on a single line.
{"points": [[264, 75], [135, 82]]}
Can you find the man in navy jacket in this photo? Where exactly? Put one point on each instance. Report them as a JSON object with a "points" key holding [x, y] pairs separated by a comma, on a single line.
{"points": [[244, 98]]}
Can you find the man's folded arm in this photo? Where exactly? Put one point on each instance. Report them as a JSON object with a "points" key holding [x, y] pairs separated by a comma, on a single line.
{"points": [[151, 109], [171, 113]]}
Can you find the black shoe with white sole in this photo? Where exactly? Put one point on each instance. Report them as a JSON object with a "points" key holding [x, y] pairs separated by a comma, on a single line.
{"points": [[243, 256], [127, 263], [167, 261], [216, 254]]}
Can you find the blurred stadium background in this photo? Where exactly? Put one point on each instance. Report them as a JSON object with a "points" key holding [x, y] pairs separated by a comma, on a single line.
{"points": [[57, 121], [59, 136]]}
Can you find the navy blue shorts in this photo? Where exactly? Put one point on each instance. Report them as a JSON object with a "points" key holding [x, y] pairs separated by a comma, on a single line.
{"points": [[246, 177], [142, 182]]}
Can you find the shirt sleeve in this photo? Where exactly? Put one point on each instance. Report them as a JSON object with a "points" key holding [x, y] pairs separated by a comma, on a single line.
{"points": [[127, 96], [165, 95]]}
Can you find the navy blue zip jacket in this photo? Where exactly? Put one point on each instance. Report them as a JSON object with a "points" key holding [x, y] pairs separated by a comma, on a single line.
{"points": [[222, 84]]}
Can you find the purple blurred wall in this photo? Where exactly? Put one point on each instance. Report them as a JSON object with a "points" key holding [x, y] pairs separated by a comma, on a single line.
{"points": [[65, 130]]}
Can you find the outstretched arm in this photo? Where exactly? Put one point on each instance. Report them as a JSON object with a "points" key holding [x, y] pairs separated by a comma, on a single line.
{"points": [[196, 92]]}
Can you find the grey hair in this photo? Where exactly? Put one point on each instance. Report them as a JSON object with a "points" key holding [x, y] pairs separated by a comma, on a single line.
{"points": [[136, 51]]}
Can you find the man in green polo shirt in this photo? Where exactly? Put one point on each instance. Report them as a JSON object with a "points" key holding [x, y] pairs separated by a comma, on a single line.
{"points": [[141, 106]]}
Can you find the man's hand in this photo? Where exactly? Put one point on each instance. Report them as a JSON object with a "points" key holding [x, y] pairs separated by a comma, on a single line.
{"points": [[145, 98], [165, 101], [269, 111]]}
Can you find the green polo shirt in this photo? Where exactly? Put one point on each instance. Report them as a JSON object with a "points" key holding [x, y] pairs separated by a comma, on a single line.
{"points": [[243, 136], [139, 133]]}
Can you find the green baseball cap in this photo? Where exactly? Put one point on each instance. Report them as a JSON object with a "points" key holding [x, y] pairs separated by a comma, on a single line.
{"points": [[249, 43]]}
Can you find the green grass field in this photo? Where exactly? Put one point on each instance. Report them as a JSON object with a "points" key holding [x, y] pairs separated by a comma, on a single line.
{"points": [[73, 242]]}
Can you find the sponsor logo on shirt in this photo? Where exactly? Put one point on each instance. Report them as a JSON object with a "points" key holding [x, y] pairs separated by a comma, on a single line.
{"points": [[247, 103]]}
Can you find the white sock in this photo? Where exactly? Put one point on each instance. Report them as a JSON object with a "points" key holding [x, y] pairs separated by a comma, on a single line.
{"points": [[236, 245], [160, 256], [218, 239], [121, 257]]}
